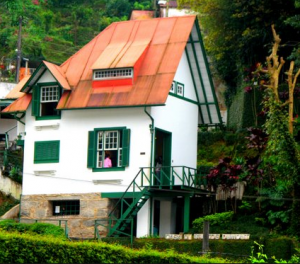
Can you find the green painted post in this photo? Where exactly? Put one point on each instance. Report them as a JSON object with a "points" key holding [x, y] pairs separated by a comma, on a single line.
{"points": [[186, 219]]}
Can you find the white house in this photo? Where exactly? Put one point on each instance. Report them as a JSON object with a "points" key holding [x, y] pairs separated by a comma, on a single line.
{"points": [[138, 90]]}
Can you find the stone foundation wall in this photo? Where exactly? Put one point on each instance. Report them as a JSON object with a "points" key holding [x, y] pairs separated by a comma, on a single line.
{"points": [[92, 207]]}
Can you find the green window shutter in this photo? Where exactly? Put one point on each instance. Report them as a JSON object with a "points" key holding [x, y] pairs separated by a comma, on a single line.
{"points": [[125, 147], [91, 159], [59, 91], [46, 151], [36, 101]]}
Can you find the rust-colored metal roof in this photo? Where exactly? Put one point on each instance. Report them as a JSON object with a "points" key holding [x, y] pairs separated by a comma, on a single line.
{"points": [[153, 47], [121, 45], [20, 105], [141, 14], [15, 92], [58, 74]]}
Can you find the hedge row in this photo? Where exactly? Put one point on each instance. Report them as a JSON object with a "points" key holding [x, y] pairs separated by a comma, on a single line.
{"points": [[25, 248], [281, 248]]}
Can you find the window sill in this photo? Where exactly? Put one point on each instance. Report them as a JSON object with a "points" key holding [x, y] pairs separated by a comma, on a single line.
{"points": [[45, 173], [47, 125], [108, 169], [112, 181]]}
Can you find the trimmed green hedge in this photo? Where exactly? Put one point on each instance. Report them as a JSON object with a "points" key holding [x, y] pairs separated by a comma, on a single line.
{"points": [[281, 248], [28, 248]]}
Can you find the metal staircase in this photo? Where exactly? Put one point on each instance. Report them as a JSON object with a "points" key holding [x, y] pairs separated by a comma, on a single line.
{"points": [[143, 186]]}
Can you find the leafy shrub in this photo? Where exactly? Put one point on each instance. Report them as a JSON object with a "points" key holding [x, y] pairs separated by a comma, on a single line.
{"points": [[214, 219], [37, 228]]}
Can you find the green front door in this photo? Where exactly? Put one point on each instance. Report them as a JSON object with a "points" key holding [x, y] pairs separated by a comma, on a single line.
{"points": [[163, 143]]}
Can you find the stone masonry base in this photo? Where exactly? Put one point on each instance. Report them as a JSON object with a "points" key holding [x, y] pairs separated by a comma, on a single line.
{"points": [[92, 207]]}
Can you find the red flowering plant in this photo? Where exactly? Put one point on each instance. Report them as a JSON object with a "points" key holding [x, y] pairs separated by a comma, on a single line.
{"points": [[224, 174]]}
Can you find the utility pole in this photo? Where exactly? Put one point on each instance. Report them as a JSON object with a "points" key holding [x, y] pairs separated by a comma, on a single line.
{"points": [[19, 52]]}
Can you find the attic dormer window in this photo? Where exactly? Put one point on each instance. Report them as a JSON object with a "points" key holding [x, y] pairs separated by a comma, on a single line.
{"points": [[110, 74]]}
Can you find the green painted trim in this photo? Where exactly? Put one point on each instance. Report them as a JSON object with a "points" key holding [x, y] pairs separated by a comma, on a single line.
{"points": [[151, 216], [194, 83], [186, 215], [108, 169], [183, 98], [20, 142], [113, 195], [37, 118], [208, 71], [24, 90], [112, 107], [200, 77], [109, 128], [48, 84], [5, 102], [19, 118]]}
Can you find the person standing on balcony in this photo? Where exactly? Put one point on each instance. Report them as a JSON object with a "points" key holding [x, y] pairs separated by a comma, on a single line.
{"points": [[158, 166]]}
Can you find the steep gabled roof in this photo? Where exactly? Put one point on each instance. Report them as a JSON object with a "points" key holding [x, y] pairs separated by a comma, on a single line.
{"points": [[119, 45], [154, 46]]}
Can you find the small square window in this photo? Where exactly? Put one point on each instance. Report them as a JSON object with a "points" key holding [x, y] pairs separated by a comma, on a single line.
{"points": [[66, 207], [180, 89], [173, 86]]}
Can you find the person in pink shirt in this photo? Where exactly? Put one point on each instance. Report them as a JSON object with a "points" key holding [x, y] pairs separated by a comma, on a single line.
{"points": [[107, 161]]}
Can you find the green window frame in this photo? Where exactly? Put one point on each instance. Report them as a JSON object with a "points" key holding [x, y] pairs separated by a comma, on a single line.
{"points": [[45, 97], [46, 151], [177, 89], [113, 140]]}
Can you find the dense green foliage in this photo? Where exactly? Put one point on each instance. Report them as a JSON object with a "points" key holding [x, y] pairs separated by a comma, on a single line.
{"points": [[6, 203], [238, 34], [214, 219], [53, 30], [34, 228]]}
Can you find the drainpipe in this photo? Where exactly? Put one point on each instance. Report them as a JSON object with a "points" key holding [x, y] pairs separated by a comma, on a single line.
{"points": [[152, 136], [151, 165]]}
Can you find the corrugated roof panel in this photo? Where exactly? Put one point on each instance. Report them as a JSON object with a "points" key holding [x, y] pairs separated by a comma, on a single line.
{"points": [[141, 90], [128, 44], [182, 29], [161, 87], [99, 100], [78, 63], [102, 41], [163, 31], [172, 57], [131, 56], [64, 99], [153, 59], [80, 96], [58, 74], [15, 92], [120, 36], [20, 105]]}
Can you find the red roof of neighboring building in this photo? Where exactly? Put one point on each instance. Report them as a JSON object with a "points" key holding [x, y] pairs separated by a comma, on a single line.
{"points": [[154, 47], [141, 14]]}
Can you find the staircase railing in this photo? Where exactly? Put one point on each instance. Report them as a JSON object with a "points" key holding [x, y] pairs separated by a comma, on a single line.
{"points": [[137, 193]]}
